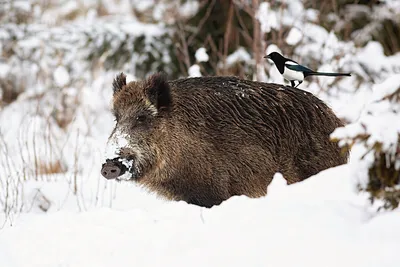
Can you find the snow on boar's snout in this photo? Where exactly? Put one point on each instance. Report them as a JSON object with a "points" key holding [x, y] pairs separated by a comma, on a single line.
{"points": [[203, 140]]}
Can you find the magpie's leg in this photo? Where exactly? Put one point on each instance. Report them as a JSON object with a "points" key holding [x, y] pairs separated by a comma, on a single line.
{"points": [[299, 83], [292, 83]]}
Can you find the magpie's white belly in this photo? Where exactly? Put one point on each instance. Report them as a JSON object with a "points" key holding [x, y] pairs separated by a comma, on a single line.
{"points": [[292, 75]]}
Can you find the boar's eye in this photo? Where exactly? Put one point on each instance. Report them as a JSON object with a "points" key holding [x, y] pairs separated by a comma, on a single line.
{"points": [[141, 119]]}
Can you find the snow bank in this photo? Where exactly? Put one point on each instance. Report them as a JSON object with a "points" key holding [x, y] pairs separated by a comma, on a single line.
{"points": [[379, 121], [201, 55], [294, 36], [194, 71], [240, 55], [319, 222]]}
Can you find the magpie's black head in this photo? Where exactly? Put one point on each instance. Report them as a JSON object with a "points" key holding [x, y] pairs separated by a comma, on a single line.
{"points": [[276, 57], [278, 60]]}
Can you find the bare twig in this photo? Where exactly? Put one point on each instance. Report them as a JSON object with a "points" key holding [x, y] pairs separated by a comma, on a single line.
{"points": [[256, 39], [202, 22], [183, 47], [245, 33], [227, 35]]}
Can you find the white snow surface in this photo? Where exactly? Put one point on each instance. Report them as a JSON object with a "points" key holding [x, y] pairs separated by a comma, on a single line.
{"points": [[115, 142], [240, 55], [201, 55], [268, 18], [319, 222], [194, 71], [380, 119], [294, 36], [4, 69], [61, 76], [189, 8], [141, 5]]}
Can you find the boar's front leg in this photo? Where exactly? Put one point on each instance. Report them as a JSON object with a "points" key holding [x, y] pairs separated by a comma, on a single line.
{"points": [[207, 203]]}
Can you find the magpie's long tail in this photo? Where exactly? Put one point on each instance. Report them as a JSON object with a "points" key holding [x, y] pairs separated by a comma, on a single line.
{"points": [[327, 74]]}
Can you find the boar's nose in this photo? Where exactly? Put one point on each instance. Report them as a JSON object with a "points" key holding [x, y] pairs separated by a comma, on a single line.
{"points": [[110, 170]]}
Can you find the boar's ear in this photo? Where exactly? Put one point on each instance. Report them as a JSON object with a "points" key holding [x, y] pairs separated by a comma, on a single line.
{"points": [[119, 82], [158, 91]]}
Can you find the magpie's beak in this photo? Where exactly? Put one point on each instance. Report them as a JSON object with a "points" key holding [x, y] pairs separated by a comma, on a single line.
{"points": [[267, 56]]}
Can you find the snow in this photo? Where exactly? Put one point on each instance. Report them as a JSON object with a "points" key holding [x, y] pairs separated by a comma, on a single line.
{"points": [[377, 61], [194, 71], [30, 43], [240, 55], [69, 7], [159, 11], [386, 88], [117, 141], [268, 18], [381, 127], [201, 55], [189, 8], [379, 119], [142, 6], [61, 76], [118, 7], [320, 222], [295, 9], [315, 32], [277, 185], [294, 36], [311, 15], [136, 29], [126, 176], [23, 5], [4, 69]]}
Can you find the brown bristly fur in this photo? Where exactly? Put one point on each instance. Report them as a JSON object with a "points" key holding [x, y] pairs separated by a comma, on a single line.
{"points": [[119, 82]]}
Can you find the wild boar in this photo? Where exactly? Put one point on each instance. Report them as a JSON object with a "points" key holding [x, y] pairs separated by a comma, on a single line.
{"points": [[203, 140]]}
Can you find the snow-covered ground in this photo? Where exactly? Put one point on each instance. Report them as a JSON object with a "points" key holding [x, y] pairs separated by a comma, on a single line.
{"points": [[319, 222]]}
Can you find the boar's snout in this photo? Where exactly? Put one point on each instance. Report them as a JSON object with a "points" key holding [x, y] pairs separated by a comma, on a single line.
{"points": [[112, 169]]}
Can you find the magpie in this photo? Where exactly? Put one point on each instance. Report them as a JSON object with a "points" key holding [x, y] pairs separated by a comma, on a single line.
{"points": [[293, 71]]}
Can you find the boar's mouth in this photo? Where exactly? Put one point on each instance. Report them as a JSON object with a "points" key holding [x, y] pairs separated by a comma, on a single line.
{"points": [[120, 168]]}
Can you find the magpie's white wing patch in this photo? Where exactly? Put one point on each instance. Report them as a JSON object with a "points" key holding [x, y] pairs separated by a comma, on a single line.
{"points": [[289, 62], [297, 67]]}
